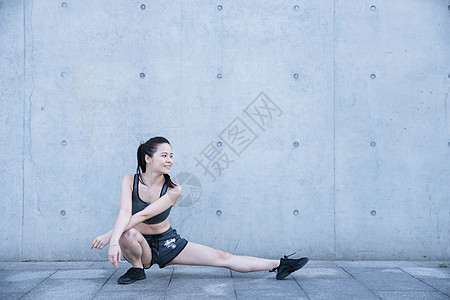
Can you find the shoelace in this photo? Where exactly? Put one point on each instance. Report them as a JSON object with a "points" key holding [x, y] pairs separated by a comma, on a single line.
{"points": [[286, 256]]}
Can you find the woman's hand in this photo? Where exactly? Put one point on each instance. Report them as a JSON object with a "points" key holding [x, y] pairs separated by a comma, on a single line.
{"points": [[102, 240], [114, 255]]}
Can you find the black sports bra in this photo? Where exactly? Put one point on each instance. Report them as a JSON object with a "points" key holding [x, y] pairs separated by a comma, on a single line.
{"points": [[137, 204]]}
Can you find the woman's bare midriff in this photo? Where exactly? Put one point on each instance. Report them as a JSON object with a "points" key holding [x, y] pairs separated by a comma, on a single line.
{"points": [[153, 228]]}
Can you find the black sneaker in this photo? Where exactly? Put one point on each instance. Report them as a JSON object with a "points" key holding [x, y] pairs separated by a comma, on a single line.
{"points": [[131, 276], [287, 266]]}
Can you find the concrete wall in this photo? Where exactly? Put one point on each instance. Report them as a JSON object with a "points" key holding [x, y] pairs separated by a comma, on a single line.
{"points": [[319, 127]]}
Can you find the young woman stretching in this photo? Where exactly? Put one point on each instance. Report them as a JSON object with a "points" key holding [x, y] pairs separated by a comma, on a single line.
{"points": [[142, 232]]}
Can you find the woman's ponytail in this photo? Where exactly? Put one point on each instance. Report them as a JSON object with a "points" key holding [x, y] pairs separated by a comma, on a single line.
{"points": [[169, 181], [141, 162]]}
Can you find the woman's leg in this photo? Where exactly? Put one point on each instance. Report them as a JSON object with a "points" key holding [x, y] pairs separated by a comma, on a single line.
{"points": [[136, 249], [199, 255]]}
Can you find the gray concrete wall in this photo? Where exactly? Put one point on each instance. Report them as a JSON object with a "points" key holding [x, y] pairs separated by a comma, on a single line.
{"points": [[319, 127]]}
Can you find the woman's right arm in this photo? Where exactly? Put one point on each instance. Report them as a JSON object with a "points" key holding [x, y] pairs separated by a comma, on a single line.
{"points": [[114, 252]]}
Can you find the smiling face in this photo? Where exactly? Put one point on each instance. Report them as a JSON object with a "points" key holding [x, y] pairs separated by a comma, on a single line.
{"points": [[162, 159]]}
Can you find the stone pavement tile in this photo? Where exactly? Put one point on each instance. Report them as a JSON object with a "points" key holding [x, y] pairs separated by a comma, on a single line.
{"points": [[101, 264], [442, 285], [411, 295], [335, 288], [200, 272], [263, 275], [320, 264], [49, 265], [156, 279], [192, 288], [263, 285], [83, 274], [284, 290], [4, 264], [182, 296], [432, 264], [438, 278], [375, 264], [320, 273], [66, 289], [387, 279], [16, 281], [190, 282], [131, 295], [11, 296], [422, 272]]}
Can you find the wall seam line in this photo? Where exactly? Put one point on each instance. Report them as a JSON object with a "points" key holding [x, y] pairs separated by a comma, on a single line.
{"points": [[334, 126], [23, 129]]}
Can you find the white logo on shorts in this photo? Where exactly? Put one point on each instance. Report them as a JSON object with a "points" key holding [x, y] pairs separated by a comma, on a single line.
{"points": [[170, 244]]}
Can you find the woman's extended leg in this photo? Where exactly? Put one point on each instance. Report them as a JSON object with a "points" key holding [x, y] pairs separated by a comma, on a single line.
{"points": [[199, 255], [136, 249]]}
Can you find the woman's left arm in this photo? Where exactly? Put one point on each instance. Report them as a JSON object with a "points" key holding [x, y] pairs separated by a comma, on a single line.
{"points": [[157, 207]]}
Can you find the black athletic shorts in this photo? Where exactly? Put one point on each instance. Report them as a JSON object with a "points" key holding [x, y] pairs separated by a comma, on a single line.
{"points": [[165, 246]]}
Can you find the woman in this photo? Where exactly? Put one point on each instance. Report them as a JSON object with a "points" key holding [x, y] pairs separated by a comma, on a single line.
{"points": [[142, 232]]}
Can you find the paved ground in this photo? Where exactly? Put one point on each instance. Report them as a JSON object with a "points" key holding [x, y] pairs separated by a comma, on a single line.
{"points": [[317, 280]]}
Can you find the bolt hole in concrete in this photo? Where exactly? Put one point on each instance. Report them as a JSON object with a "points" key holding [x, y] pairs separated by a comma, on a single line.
{"points": [[448, 144], [295, 212], [373, 212], [219, 7], [64, 143], [373, 76], [295, 76], [373, 144], [296, 7], [373, 8], [219, 212], [143, 6], [64, 5], [296, 144], [219, 76], [219, 144], [142, 75], [62, 212]]}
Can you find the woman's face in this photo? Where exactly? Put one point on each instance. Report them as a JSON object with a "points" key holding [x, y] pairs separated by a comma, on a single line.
{"points": [[162, 159]]}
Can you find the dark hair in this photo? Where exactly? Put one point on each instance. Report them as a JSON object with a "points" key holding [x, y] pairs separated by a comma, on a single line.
{"points": [[149, 148]]}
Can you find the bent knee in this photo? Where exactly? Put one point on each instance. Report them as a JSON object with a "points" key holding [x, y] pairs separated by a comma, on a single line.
{"points": [[129, 236]]}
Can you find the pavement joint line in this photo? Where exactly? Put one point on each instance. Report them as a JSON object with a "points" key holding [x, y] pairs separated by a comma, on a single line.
{"points": [[171, 276], [301, 288], [39, 284], [168, 284], [6, 265], [361, 283], [104, 282], [424, 282], [234, 287]]}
